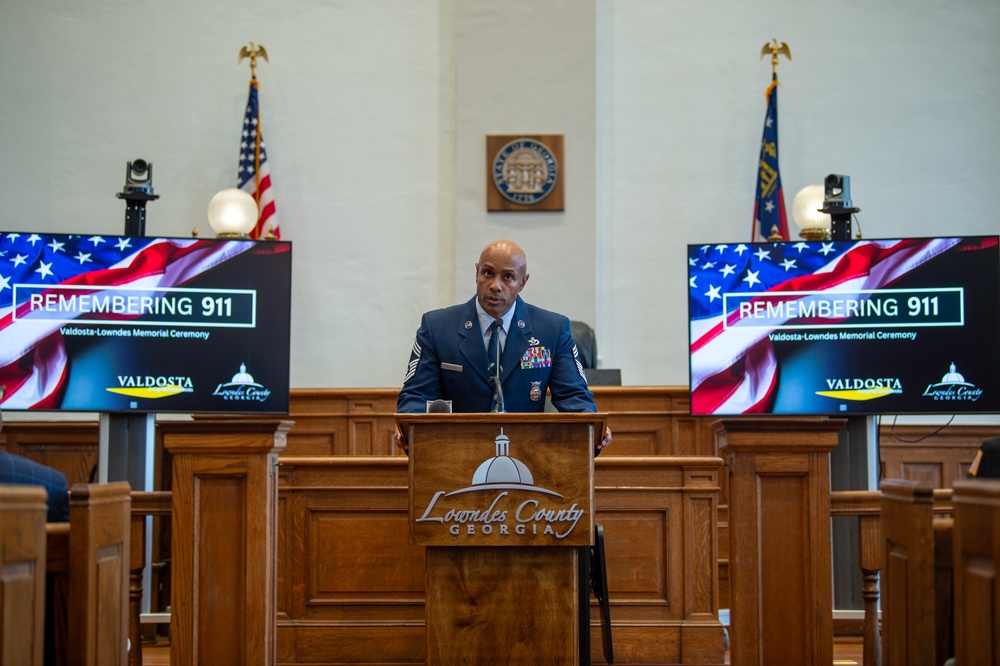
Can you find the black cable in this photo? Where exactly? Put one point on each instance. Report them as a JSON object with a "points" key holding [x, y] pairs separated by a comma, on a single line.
{"points": [[916, 441]]}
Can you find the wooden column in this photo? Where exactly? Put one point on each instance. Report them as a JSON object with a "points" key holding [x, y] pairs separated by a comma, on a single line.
{"points": [[780, 565], [224, 541]]}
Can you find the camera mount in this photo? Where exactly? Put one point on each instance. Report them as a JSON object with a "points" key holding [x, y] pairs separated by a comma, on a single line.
{"points": [[837, 204], [137, 191]]}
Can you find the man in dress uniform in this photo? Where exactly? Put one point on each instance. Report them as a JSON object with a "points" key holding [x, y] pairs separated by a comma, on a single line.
{"points": [[455, 358]]}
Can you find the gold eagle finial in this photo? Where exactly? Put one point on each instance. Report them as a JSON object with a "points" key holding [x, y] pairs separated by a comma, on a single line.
{"points": [[775, 49], [252, 51]]}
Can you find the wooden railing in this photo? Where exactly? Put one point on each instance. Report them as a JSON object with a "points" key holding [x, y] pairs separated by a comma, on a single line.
{"points": [[647, 421], [144, 504], [864, 505]]}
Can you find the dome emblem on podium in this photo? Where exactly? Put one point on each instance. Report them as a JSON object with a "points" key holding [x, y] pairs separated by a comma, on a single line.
{"points": [[503, 472], [502, 468]]}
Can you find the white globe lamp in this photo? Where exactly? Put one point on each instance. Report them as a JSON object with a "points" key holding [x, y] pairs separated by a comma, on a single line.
{"points": [[813, 225], [232, 213]]}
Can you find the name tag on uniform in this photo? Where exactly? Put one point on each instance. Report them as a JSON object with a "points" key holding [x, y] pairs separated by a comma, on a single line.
{"points": [[536, 357], [451, 366]]}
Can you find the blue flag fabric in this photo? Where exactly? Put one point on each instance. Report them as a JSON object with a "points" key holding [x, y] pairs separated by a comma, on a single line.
{"points": [[769, 208]]}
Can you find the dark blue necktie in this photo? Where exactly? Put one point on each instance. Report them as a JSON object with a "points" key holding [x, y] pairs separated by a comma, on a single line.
{"points": [[491, 347]]}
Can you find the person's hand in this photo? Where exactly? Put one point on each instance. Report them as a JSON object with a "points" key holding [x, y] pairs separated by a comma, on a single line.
{"points": [[400, 441], [605, 439]]}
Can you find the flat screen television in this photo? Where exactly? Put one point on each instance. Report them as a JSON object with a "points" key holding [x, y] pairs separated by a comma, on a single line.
{"points": [[141, 324], [904, 326]]}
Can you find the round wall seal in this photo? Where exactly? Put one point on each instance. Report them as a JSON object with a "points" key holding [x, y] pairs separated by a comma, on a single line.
{"points": [[525, 171]]}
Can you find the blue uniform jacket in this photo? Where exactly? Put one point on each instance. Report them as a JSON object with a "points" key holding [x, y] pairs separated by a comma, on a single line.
{"points": [[24, 471], [449, 361]]}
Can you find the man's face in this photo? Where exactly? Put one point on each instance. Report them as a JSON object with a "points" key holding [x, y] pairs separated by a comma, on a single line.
{"points": [[500, 276]]}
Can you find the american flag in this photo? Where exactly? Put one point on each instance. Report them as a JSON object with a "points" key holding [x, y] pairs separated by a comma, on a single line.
{"points": [[254, 175], [734, 369], [33, 361], [769, 206]]}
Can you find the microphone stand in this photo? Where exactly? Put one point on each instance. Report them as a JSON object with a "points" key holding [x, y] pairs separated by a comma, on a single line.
{"points": [[496, 368]]}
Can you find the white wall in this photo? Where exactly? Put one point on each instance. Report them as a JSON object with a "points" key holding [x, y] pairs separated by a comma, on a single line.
{"points": [[375, 115], [900, 96], [529, 68]]}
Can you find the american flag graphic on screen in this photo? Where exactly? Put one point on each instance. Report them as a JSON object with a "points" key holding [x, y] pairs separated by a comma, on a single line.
{"points": [[254, 174], [33, 361], [734, 369]]}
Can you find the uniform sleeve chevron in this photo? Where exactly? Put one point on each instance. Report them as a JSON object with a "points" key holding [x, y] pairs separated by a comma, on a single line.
{"points": [[411, 367], [579, 364]]}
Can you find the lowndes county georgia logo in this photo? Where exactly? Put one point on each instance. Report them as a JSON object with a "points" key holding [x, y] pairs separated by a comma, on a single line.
{"points": [[953, 387], [505, 516], [525, 171], [242, 387]]}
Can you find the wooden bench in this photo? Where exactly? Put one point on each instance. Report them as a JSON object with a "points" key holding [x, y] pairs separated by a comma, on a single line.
{"points": [[977, 571], [22, 574], [88, 567], [916, 574]]}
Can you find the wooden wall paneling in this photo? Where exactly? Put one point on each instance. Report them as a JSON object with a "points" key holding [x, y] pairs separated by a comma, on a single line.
{"points": [[661, 547], [22, 574], [356, 587], [68, 446], [937, 458], [653, 421], [224, 532], [976, 559], [351, 513], [780, 573]]}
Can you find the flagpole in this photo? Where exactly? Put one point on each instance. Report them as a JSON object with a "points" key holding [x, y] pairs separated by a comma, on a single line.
{"points": [[252, 51], [769, 194]]}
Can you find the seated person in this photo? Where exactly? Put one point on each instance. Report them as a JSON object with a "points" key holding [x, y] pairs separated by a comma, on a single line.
{"points": [[18, 470], [986, 464]]}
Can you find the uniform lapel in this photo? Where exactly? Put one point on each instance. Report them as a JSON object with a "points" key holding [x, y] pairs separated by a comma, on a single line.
{"points": [[471, 344]]}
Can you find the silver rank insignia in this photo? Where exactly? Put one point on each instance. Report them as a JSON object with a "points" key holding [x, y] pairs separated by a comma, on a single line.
{"points": [[536, 391]]}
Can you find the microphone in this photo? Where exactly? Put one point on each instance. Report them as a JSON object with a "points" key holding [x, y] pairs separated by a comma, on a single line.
{"points": [[439, 406], [495, 379]]}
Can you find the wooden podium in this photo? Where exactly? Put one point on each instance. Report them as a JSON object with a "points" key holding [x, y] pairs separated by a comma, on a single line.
{"points": [[504, 504]]}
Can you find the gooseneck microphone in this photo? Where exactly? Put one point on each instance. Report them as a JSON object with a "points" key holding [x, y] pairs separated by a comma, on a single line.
{"points": [[495, 379]]}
